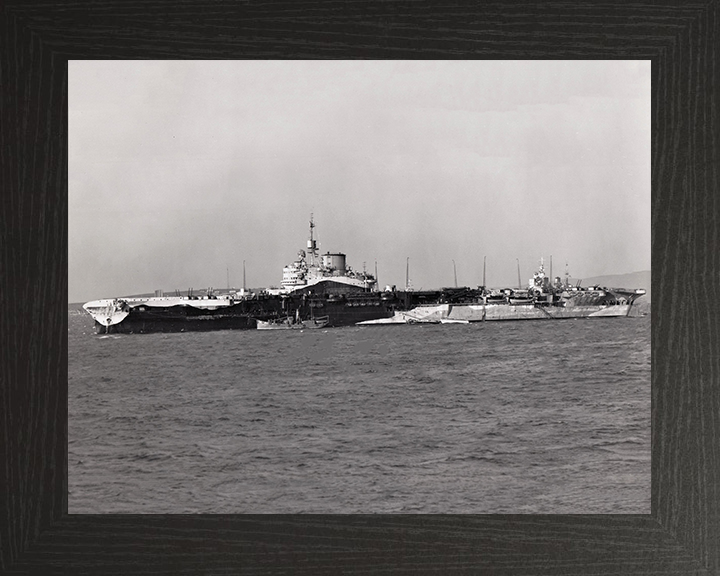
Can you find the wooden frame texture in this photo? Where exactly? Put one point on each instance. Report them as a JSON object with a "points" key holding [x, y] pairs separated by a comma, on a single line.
{"points": [[682, 533]]}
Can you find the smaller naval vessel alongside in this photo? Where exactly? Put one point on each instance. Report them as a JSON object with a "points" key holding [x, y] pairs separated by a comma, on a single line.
{"points": [[293, 323]]}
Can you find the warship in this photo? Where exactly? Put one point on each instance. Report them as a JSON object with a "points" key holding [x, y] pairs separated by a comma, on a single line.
{"points": [[543, 299], [313, 285], [323, 286]]}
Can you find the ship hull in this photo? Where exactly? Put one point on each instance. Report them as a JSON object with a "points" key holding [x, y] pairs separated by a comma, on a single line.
{"points": [[467, 313], [345, 311], [497, 312], [345, 306], [178, 319]]}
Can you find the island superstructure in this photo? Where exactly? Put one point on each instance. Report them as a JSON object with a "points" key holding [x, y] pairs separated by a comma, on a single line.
{"points": [[309, 270]]}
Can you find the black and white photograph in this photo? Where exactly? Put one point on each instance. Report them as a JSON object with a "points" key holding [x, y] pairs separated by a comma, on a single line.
{"points": [[359, 287]]}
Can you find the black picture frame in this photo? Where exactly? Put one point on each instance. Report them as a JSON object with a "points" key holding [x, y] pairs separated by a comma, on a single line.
{"points": [[681, 534]]}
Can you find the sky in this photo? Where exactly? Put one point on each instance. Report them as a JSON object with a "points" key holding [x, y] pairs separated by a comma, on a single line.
{"points": [[180, 171]]}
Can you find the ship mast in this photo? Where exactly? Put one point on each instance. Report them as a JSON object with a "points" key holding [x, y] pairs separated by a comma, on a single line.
{"points": [[519, 281], [312, 246], [243, 276], [567, 275], [455, 272]]}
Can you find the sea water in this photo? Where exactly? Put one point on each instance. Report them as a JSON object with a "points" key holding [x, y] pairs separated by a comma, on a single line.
{"points": [[497, 417]]}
